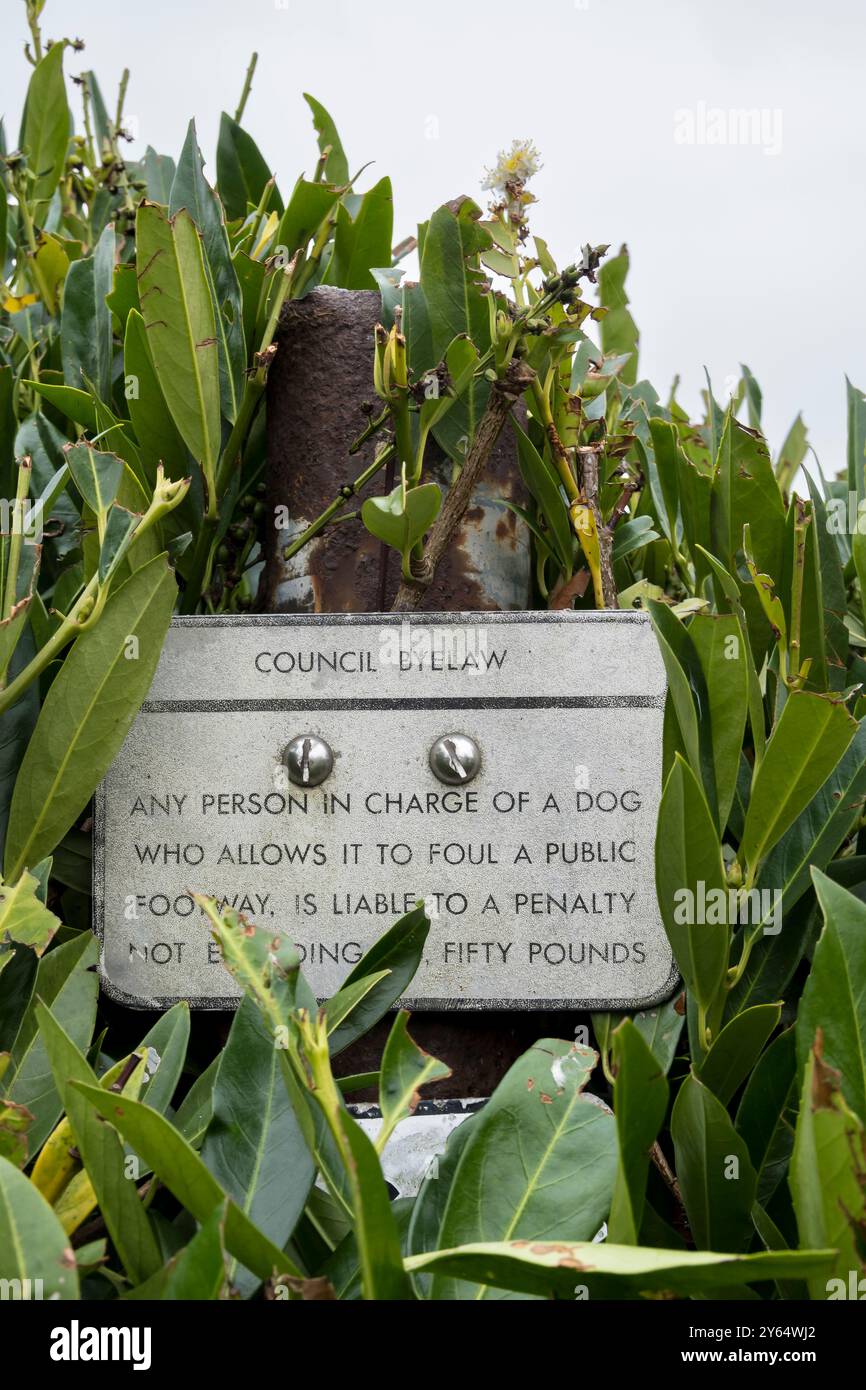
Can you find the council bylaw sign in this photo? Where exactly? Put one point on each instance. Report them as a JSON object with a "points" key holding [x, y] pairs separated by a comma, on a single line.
{"points": [[322, 774]]}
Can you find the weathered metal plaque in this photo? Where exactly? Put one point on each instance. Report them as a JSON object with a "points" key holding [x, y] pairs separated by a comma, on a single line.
{"points": [[504, 767]]}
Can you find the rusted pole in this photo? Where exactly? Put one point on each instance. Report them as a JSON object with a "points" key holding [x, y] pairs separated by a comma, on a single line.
{"points": [[503, 395]]}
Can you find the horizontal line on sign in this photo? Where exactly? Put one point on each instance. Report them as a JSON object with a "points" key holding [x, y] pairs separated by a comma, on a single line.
{"points": [[528, 618], [457, 702]]}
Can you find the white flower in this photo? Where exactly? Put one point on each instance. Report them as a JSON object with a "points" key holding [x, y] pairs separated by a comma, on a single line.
{"points": [[514, 166]]}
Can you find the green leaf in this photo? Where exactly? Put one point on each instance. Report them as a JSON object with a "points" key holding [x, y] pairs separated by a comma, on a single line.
{"points": [[767, 1110], [558, 1269], [400, 951], [687, 691], [67, 984], [319, 1140], [713, 1169], [640, 1099], [242, 173], [17, 978], [157, 171], [86, 327], [540, 1162], [342, 1269], [544, 487], [16, 730], [346, 1000], [736, 1050], [432, 1198], [828, 1174], [406, 1067], [166, 1044], [336, 164], [811, 841], [754, 397], [834, 999], [252, 276], [69, 400], [87, 714], [45, 129], [253, 1146], [96, 476], [813, 638], [158, 437], [688, 864], [199, 1272], [792, 453], [382, 1275], [178, 314], [745, 492], [101, 1153], [191, 190], [179, 1167], [196, 1109], [309, 207], [34, 1247], [633, 535], [453, 286], [660, 1029], [119, 530], [822, 826], [619, 332], [724, 656], [404, 516], [124, 294], [23, 915], [856, 440], [363, 242], [809, 740]]}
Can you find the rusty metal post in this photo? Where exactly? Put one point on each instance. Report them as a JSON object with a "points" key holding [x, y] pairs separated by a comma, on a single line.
{"points": [[320, 378]]}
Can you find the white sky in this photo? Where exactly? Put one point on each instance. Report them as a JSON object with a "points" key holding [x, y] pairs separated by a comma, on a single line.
{"points": [[737, 255]]}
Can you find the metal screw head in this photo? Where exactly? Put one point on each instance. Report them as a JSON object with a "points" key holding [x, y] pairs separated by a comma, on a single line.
{"points": [[455, 759], [309, 761]]}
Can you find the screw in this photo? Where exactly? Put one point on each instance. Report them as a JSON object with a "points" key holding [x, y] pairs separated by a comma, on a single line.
{"points": [[455, 759], [309, 761]]}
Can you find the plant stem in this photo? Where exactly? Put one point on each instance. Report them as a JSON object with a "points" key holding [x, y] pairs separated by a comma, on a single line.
{"points": [[503, 395], [85, 611], [69, 628], [346, 493], [17, 538], [33, 21], [121, 99], [248, 82], [590, 459], [736, 973], [560, 457], [801, 522]]}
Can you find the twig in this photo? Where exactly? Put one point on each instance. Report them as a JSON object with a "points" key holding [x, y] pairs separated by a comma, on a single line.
{"points": [[248, 82], [121, 101], [589, 459], [347, 491], [503, 395]]}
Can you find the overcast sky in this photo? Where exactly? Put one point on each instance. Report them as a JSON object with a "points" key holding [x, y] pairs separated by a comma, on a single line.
{"points": [[748, 251]]}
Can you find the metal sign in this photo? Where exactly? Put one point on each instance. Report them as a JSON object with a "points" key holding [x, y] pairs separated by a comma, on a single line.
{"points": [[322, 774]]}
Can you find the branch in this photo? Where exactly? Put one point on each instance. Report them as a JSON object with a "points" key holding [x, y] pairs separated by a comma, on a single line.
{"points": [[248, 82], [589, 459], [503, 395]]}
